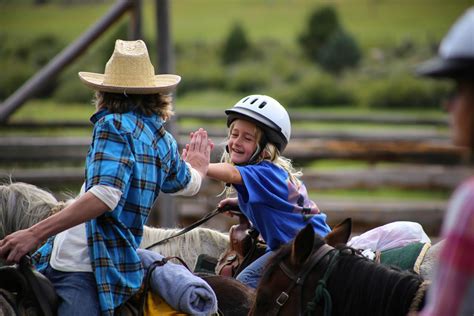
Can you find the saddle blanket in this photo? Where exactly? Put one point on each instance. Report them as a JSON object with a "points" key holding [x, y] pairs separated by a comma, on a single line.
{"points": [[408, 257]]}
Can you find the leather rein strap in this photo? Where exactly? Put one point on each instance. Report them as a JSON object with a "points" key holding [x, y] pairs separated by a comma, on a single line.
{"points": [[201, 221], [299, 279]]}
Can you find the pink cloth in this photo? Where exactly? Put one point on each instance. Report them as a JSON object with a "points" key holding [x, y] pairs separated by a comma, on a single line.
{"points": [[452, 290]]}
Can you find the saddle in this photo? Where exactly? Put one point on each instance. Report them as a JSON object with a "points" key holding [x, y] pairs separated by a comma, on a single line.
{"points": [[408, 257], [245, 246], [26, 291]]}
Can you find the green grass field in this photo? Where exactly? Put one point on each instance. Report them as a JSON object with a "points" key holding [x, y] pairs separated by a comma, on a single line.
{"points": [[374, 23]]}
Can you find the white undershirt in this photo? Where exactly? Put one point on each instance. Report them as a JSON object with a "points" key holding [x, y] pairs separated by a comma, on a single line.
{"points": [[70, 251]]}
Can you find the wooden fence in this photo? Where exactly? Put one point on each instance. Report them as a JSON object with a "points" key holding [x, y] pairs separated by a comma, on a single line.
{"points": [[426, 161]]}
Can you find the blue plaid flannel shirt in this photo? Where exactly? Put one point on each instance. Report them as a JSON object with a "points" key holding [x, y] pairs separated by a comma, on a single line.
{"points": [[133, 153]]}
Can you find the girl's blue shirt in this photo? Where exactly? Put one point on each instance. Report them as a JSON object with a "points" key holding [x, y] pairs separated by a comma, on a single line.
{"points": [[275, 206]]}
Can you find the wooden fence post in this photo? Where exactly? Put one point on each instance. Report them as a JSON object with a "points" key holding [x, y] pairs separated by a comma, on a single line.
{"points": [[166, 204], [58, 63]]}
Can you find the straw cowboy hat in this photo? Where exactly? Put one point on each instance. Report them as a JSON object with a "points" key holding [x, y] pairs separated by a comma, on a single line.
{"points": [[129, 70]]}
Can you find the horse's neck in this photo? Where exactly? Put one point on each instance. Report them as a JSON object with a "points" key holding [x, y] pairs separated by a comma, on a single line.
{"points": [[153, 234], [363, 282], [187, 246]]}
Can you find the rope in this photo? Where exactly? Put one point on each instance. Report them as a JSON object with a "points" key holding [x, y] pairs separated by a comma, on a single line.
{"points": [[321, 291], [419, 296]]}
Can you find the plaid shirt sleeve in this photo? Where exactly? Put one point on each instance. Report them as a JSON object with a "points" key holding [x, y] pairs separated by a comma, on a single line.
{"points": [[179, 175], [452, 291]]}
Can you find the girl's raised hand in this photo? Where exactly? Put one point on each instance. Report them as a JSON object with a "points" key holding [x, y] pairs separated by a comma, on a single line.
{"points": [[198, 151]]}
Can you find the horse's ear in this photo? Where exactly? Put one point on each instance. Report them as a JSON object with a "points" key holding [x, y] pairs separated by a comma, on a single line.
{"points": [[340, 233], [302, 245]]}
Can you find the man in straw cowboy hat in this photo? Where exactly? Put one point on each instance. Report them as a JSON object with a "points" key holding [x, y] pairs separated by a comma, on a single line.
{"points": [[93, 261], [452, 291]]}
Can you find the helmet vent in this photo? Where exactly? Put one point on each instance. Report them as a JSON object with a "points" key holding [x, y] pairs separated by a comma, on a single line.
{"points": [[245, 100], [254, 100], [262, 104]]}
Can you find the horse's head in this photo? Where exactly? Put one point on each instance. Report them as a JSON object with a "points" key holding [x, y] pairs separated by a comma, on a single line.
{"points": [[284, 285], [308, 275]]}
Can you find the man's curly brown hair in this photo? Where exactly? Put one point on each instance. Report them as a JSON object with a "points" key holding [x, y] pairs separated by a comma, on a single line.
{"points": [[147, 104]]}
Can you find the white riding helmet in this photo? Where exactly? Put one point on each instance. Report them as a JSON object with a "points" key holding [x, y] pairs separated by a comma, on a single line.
{"points": [[268, 114]]}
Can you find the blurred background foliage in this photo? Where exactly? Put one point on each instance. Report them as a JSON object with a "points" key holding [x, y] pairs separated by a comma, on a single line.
{"points": [[305, 53]]}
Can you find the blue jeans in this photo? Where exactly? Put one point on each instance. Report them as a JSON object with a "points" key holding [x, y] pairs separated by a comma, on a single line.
{"points": [[77, 292], [253, 272]]}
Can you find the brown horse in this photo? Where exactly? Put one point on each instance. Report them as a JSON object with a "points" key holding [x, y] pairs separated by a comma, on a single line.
{"points": [[309, 276]]}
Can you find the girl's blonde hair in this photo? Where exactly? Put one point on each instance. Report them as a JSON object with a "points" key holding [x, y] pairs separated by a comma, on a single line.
{"points": [[147, 104], [269, 153]]}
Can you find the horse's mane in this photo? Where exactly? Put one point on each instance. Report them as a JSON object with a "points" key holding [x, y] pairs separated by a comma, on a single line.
{"points": [[358, 285], [188, 246], [22, 205], [371, 288]]}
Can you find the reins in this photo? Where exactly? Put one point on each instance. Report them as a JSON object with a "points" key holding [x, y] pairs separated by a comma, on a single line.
{"points": [[200, 221], [321, 291], [298, 279]]}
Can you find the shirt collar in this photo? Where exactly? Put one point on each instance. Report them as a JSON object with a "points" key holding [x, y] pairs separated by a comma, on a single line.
{"points": [[98, 115]]}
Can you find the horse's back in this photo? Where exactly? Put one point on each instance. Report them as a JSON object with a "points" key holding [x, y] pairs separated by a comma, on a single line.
{"points": [[234, 297], [188, 246]]}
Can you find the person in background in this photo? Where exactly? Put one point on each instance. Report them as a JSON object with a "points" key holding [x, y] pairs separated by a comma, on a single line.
{"points": [[90, 256], [452, 290], [269, 190]]}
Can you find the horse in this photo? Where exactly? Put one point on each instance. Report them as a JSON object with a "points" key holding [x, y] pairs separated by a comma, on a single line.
{"points": [[22, 205], [325, 277], [188, 246]]}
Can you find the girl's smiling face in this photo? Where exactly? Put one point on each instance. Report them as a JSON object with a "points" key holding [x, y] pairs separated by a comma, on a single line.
{"points": [[242, 141]]}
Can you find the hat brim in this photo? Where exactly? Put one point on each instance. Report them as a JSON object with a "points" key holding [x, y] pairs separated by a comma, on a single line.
{"points": [[164, 83], [455, 68]]}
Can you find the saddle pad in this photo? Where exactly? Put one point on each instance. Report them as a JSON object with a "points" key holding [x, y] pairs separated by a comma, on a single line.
{"points": [[408, 257]]}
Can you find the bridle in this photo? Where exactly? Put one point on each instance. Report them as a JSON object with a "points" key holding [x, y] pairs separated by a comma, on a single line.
{"points": [[299, 279]]}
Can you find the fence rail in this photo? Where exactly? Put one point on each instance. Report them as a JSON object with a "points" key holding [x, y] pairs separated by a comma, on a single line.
{"points": [[54, 163], [296, 116], [365, 214], [406, 177], [24, 149]]}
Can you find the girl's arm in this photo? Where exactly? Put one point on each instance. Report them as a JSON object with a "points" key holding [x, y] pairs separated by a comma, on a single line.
{"points": [[224, 172]]}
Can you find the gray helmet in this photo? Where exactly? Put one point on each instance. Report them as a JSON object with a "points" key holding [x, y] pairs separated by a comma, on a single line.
{"points": [[456, 52], [268, 114]]}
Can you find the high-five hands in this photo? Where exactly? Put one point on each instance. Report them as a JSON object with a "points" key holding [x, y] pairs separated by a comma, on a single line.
{"points": [[198, 152]]}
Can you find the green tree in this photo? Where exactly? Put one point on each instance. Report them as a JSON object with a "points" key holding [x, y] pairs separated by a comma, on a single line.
{"points": [[322, 23], [235, 46], [340, 52]]}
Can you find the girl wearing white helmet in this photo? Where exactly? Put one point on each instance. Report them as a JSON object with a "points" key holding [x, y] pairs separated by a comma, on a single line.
{"points": [[269, 191]]}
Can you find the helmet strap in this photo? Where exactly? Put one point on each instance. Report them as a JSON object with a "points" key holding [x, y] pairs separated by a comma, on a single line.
{"points": [[254, 158], [260, 147]]}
